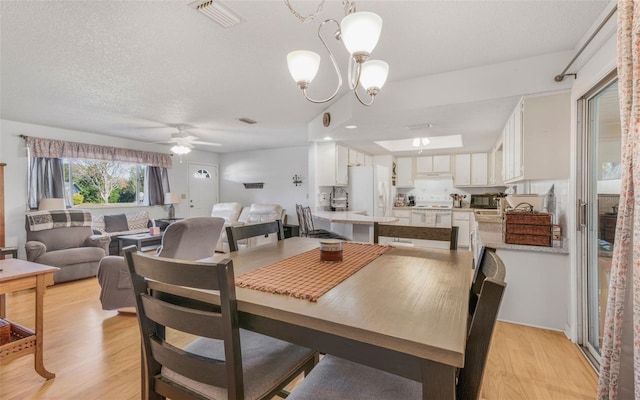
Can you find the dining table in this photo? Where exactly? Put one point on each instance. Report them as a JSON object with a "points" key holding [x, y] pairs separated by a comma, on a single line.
{"points": [[404, 312]]}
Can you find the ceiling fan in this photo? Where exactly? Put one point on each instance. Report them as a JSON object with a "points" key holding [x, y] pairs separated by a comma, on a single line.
{"points": [[184, 142]]}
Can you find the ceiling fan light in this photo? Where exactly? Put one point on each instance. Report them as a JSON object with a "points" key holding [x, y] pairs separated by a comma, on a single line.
{"points": [[303, 65], [360, 32], [180, 149], [374, 74]]}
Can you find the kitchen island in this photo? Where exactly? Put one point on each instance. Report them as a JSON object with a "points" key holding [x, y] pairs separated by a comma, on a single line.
{"points": [[355, 225], [537, 280]]}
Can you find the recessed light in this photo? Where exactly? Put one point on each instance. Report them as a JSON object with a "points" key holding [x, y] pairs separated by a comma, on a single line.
{"points": [[351, 126], [328, 138]]}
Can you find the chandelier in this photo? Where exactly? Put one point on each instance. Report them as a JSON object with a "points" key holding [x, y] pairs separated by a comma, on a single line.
{"points": [[359, 31]]}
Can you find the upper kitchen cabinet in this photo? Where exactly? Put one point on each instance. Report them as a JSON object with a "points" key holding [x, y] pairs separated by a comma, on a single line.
{"points": [[536, 139], [333, 160], [495, 164], [356, 158], [404, 172], [433, 165], [471, 170]]}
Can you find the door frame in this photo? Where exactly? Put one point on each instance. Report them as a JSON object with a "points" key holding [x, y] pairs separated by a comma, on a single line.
{"points": [[584, 212]]}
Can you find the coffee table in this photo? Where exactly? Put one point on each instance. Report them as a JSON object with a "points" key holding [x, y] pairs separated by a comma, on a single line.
{"points": [[18, 275], [143, 241]]}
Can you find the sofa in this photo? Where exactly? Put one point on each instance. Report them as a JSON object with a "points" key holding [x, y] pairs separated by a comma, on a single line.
{"points": [[235, 214], [116, 225], [64, 239]]}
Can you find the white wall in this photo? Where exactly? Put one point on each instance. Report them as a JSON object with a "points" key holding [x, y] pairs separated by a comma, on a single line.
{"points": [[13, 153], [275, 168]]}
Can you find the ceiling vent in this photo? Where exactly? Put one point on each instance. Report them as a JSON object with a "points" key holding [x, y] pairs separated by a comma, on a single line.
{"points": [[218, 12], [247, 120]]}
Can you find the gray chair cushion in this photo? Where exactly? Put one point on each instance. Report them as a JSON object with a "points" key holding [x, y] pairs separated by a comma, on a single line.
{"points": [[335, 378], [115, 223], [264, 360]]}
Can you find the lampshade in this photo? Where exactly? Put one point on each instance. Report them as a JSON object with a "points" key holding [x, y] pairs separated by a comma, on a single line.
{"points": [[374, 74], [180, 149], [361, 31], [51, 204], [171, 198], [303, 65]]}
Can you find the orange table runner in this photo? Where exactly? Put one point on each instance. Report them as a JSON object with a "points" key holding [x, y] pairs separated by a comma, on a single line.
{"points": [[306, 277]]}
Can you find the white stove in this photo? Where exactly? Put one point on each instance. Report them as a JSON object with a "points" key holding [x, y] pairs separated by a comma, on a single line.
{"points": [[434, 211]]}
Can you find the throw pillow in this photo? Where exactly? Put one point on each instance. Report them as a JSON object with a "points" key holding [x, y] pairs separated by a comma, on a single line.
{"points": [[115, 223]]}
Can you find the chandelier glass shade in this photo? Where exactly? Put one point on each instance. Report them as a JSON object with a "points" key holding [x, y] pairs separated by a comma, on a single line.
{"points": [[360, 32]]}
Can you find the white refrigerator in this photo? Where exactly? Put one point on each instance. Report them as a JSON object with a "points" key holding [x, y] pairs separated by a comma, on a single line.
{"points": [[369, 190]]}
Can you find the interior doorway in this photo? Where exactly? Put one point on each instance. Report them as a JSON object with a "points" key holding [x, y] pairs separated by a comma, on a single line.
{"points": [[203, 189], [598, 194]]}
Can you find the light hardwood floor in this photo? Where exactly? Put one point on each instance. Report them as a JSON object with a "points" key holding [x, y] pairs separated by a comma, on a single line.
{"points": [[95, 355]]}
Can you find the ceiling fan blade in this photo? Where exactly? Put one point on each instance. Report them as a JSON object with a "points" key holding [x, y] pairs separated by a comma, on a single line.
{"points": [[207, 143]]}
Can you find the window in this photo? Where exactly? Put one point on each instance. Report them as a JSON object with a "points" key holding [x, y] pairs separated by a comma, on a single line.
{"points": [[93, 183], [202, 174]]}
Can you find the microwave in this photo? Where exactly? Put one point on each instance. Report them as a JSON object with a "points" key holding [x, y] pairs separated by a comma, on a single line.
{"points": [[487, 200]]}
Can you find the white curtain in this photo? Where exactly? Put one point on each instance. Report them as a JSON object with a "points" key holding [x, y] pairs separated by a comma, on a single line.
{"points": [[620, 362]]}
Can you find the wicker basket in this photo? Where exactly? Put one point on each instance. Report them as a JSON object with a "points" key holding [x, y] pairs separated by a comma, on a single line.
{"points": [[532, 229], [5, 332]]}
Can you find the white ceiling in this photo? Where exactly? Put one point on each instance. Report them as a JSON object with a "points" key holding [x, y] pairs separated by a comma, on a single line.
{"points": [[137, 69]]}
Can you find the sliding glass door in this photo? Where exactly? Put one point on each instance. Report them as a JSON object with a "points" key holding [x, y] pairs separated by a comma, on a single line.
{"points": [[598, 194]]}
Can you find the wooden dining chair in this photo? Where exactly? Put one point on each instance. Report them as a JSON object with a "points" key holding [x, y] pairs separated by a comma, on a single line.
{"points": [[335, 378], [240, 232], [223, 361], [417, 232]]}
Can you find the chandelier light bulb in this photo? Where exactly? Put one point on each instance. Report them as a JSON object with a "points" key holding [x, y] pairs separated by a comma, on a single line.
{"points": [[360, 32], [303, 66]]}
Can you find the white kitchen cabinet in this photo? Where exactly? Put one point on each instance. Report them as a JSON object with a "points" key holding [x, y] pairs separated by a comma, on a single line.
{"points": [[495, 168], [537, 139], [356, 158], [471, 170], [479, 169], [333, 160], [368, 160], [404, 172], [433, 165], [462, 171], [463, 220], [404, 216]]}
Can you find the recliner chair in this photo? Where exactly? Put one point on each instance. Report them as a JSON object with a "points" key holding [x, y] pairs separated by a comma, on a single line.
{"points": [[64, 239]]}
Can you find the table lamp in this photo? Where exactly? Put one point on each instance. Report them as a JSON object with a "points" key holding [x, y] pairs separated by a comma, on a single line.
{"points": [[171, 199], [51, 204]]}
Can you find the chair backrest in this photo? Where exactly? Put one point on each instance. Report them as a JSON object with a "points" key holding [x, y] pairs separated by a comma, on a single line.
{"points": [[417, 232], [236, 233], [483, 320], [192, 238], [301, 220], [308, 219], [158, 310]]}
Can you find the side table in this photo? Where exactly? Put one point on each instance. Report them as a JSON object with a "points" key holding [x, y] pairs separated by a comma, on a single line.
{"points": [[143, 241], [12, 251], [18, 275]]}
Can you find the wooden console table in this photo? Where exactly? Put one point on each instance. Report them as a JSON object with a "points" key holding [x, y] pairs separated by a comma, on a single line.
{"points": [[18, 275]]}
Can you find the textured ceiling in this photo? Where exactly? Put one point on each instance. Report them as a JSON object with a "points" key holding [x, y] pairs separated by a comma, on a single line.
{"points": [[137, 69]]}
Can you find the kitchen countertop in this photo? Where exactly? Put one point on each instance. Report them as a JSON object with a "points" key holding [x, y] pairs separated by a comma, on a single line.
{"points": [[351, 217], [490, 235]]}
